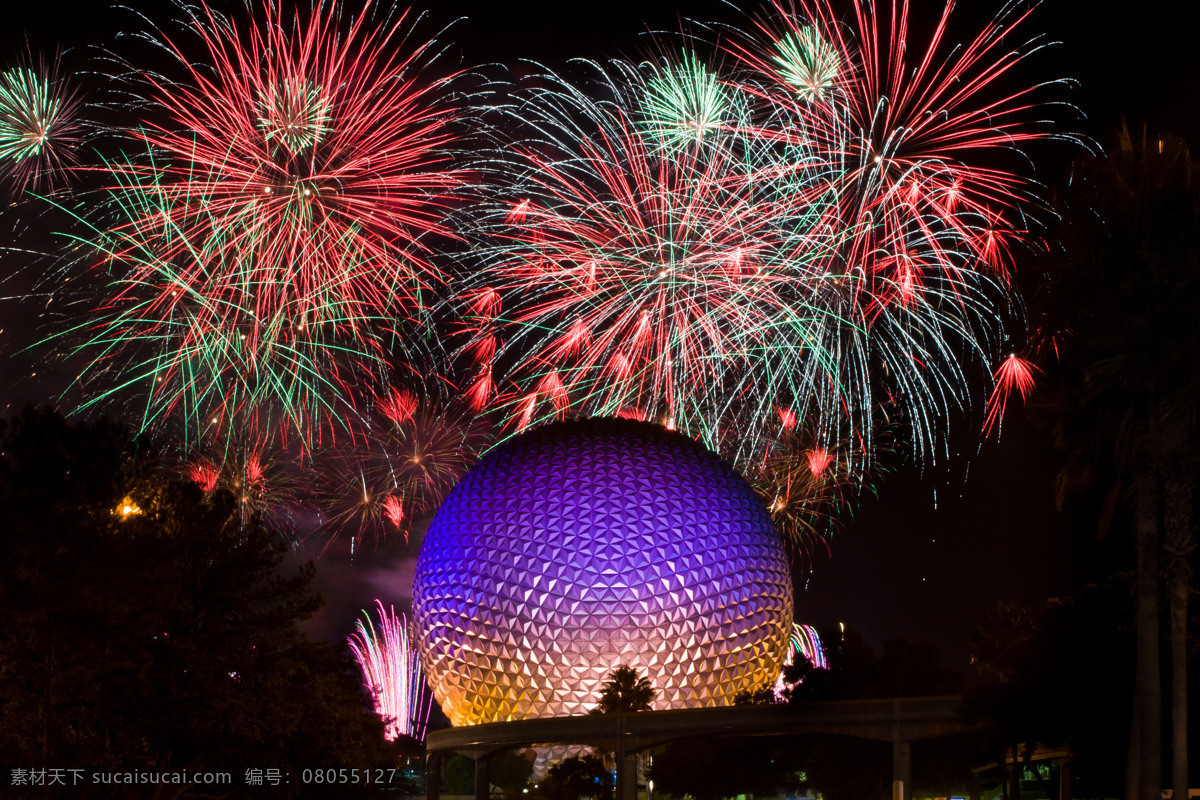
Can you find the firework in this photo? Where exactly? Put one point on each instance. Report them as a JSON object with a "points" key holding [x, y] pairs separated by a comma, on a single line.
{"points": [[802, 481], [824, 231], [174, 328], [920, 131], [392, 673], [266, 479], [806, 643], [807, 62], [359, 496], [686, 104], [651, 264], [272, 250], [322, 155], [432, 449], [924, 135], [1013, 374], [395, 476], [39, 126]]}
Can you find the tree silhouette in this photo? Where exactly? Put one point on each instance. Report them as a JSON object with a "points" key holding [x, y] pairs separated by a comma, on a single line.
{"points": [[575, 777], [1036, 674], [164, 638], [1116, 308], [625, 690]]}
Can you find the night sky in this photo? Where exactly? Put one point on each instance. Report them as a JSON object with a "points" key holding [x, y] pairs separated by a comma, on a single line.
{"points": [[930, 553]]}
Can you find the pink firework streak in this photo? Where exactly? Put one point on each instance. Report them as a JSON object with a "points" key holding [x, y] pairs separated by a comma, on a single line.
{"points": [[804, 642], [644, 277], [1014, 374], [913, 127], [319, 157], [925, 133], [392, 673]]}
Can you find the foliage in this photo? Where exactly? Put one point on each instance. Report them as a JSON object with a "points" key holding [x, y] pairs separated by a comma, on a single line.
{"points": [[833, 767], [164, 638], [904, 669], [575, 777], [711, 769], [457, 774], [625, 690], [1035, 676], [510, 770], [1113, 304]]}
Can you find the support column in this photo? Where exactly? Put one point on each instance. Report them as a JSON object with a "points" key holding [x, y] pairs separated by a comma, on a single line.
{"points": [[901, 770], [1064, 779], [433, 775], [626, 775], [626, 788], [482, 788]]}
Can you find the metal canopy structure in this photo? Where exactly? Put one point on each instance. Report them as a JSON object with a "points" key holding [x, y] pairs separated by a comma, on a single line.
{"points": [[900, 721]]}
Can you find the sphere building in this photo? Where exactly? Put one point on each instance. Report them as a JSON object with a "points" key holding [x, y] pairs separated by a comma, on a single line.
{"points": [[580, 546]]}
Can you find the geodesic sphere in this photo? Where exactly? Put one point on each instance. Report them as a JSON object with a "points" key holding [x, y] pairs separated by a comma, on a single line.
{"points": [[581, 546]]}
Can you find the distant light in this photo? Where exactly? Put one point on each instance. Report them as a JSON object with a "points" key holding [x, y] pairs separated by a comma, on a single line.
{"points": [[128, 508]]}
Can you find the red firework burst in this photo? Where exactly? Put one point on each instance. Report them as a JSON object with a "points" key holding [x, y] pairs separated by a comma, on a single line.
{"points": [[921, 132], [636, 275], [257, 469], [1013, 374], [401, 469], [315, 154]]}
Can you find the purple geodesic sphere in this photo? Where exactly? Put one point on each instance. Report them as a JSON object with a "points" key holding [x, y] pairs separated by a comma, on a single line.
{"points": [[581, 546]]}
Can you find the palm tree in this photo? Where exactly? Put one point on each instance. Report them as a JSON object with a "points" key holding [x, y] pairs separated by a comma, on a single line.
{"points": [[1116, 306], [625, 690]]}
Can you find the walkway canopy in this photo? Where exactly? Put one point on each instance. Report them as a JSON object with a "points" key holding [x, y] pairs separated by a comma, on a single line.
{"points": [[900, 721]]}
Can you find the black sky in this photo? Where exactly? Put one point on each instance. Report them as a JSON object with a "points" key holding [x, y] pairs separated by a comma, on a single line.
{"points": [[927, 556]]}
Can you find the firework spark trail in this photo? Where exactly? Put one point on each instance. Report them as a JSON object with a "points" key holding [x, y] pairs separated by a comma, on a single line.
{"points": [[1013, 374], [265, 477], [171, 329], [807, 643], [804, 482], [322, 156], [39, 125], [663, 250], [273, 251], [916, 127], [923, 134], [418, 445], [392, 673], [652, 264], [804, 642]]}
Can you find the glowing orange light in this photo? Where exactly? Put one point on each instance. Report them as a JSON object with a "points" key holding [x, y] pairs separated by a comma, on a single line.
{"points": [[128, 508]]}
